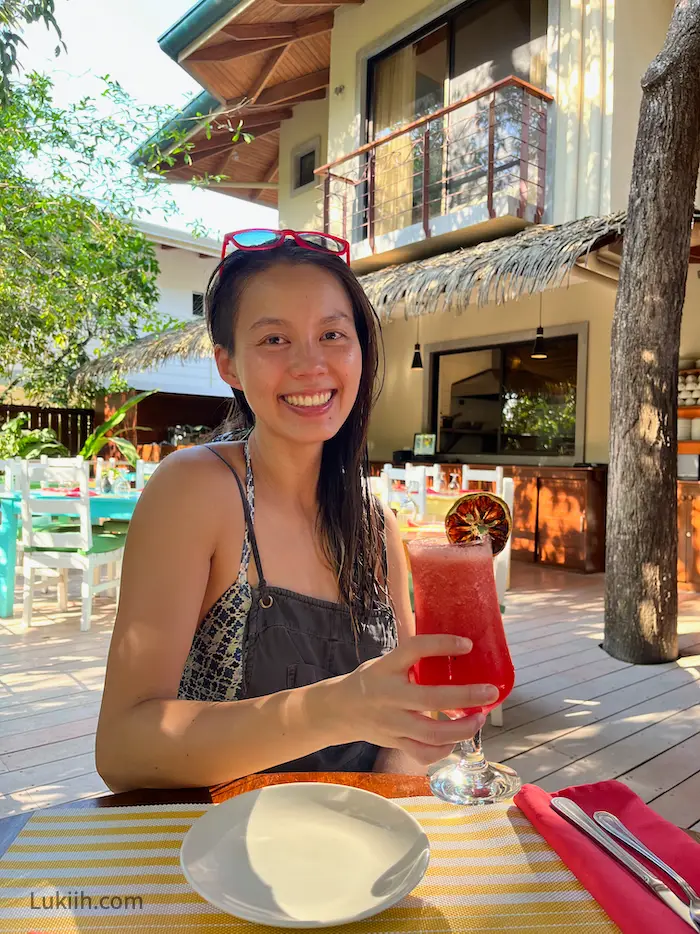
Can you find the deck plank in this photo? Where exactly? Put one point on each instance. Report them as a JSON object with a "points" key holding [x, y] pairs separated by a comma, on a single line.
{"points": [[681, 803]]}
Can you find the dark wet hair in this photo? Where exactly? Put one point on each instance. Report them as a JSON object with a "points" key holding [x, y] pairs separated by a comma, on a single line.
{"points": [[350, 522]]}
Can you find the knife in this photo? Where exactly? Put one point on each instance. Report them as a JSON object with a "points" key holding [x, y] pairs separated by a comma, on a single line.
{"points": [[576, 815]]}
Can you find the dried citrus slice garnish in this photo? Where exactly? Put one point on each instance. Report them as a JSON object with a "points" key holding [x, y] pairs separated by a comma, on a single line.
{"points": [[476, 514]]}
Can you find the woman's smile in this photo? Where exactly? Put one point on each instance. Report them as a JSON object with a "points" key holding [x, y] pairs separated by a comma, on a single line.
{"points": [[310, 404]]}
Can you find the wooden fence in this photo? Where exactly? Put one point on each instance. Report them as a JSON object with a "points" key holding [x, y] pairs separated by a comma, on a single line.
{"points": [[72, 426]]}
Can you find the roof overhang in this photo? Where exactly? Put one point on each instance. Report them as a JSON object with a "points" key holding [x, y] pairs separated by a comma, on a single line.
{"points": [[195, 24], [257, 60], [171, 239]]}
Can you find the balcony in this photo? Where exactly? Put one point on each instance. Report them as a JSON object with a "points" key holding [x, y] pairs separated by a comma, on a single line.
{"points": [[469, 172]]}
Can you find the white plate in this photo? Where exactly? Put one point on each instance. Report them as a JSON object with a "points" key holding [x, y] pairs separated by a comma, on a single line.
{"points": [[305, 854]]}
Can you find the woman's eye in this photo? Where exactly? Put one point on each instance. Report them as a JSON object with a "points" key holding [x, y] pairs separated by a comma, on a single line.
{"points": [[333, 335], [274, 340]]}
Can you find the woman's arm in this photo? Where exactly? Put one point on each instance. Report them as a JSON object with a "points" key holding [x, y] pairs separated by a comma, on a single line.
{"points": [[149, 738]]}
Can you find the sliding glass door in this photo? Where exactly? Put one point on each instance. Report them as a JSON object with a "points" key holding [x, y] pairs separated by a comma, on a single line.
{"points": [[408, 84], [445, 162]]}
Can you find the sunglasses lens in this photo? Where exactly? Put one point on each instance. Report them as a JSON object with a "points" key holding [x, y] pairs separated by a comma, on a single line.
{"points": [[322, 242], [255, 238]]}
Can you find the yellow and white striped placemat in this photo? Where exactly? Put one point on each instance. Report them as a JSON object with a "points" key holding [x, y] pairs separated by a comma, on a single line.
{"points": [[118, 870]]}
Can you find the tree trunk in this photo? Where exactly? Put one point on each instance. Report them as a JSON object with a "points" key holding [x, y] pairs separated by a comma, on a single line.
{"points": [[641, 594]]}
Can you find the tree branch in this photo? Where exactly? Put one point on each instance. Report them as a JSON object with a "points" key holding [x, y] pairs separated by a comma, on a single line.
{"points": [[682, 43]]}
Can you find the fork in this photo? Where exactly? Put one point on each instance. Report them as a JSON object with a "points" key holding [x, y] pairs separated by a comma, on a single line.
{"points": [[615, 827]]}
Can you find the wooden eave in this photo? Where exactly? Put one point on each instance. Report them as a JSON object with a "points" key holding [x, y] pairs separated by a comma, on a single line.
{"points": [[259, 63]]}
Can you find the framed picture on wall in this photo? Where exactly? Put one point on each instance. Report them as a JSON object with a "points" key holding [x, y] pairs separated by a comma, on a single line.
{"points": [[424, 445]]}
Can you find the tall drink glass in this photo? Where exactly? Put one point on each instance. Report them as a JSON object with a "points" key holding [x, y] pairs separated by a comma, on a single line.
{"points": [[455, 593]]}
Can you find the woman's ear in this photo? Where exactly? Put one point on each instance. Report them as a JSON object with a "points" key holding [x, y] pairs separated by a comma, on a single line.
{"points": [[226, 367]]}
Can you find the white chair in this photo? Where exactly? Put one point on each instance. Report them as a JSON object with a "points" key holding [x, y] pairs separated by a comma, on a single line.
{"points": [[434, 474], [12, 482], [57, 548], [144, 470], [11, 468], [416, 486], [376, 486], [502, 562], [487, 475]]}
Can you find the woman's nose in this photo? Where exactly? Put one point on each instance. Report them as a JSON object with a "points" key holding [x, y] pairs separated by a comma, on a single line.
{"points": [[308, 359]]}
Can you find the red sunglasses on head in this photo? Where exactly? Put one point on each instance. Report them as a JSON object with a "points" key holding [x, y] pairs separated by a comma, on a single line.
{"points": [[261, 238]]}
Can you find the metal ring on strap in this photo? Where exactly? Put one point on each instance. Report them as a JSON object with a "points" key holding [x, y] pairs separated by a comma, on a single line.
{"points": [[266, 605]]}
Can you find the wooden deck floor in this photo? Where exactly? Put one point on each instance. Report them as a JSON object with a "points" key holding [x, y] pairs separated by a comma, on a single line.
{"points": [[576, 715]]}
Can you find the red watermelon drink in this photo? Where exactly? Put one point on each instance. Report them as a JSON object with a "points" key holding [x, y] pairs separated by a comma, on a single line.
{"points": [[455, 594]]}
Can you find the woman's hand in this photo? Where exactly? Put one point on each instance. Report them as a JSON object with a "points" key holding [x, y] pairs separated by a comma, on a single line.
{"points": [[381, 704]]}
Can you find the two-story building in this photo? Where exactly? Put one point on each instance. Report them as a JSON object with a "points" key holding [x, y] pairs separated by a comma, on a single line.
{"points": [[443, 140]]}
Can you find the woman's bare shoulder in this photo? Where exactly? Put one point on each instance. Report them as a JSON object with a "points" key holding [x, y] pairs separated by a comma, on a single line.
{"points": [[189, 482], [203, 460]]}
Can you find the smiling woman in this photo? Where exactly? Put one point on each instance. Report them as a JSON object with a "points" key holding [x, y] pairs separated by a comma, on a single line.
{"points": [[263, 586]]}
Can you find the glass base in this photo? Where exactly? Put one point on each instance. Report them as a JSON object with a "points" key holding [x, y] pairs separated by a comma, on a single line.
{"points": [[456, 783]]}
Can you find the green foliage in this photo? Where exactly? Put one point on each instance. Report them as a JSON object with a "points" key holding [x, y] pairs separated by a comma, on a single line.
{"points": [[76, 277], [100, 437], [14, 16], [548, 415], [18, 441]]}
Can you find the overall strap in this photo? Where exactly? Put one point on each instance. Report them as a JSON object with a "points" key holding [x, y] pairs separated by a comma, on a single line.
{"points": [[265, 597]]}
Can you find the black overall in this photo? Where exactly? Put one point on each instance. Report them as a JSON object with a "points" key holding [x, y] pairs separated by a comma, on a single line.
{"points": [[293, 640]]}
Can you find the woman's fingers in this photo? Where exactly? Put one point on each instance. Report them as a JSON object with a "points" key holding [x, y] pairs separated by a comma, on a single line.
{"points": [[417, 647], [448, 697], [429, 732], [422, 754]]}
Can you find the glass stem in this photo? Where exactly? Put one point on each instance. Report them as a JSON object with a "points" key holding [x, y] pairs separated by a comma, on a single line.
{"points": [[471, 755]]}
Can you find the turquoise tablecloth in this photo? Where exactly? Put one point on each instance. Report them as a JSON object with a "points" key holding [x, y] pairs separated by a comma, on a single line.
{"points": [[102, 506]]}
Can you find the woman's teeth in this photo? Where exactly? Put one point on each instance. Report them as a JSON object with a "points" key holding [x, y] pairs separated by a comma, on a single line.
{"points": [[320, 398]]}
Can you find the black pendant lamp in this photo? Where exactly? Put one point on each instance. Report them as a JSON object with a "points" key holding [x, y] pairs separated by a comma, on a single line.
{"points": [[417, 357], [538, 349]]}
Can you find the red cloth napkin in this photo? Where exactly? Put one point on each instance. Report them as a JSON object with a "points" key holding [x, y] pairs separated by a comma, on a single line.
{"points": [[625, 898]]}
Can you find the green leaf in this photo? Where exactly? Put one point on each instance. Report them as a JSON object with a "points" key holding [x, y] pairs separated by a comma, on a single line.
{"points": [[97, 440], [126, 448]]}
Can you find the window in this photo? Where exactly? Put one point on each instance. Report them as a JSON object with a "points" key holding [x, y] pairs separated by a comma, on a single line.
{"points": [[469, 49], [499, 401], [305, 159], [306, 165], [198, 304], [451, 59]]}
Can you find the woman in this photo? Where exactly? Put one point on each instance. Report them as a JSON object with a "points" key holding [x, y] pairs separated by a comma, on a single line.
{"points": [[263, 589]]}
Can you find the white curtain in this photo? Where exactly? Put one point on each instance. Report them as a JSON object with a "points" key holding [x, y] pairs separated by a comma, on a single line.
{"points": [[395, 91]]}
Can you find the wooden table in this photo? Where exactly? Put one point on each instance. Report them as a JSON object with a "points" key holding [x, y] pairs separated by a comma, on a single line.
{"points": [[386, 784]]}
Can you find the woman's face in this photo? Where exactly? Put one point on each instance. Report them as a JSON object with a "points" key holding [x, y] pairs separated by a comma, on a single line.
{"points": [[297, 355]]}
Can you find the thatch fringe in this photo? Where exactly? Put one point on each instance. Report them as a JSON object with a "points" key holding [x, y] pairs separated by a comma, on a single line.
{"points": [[504, 270], [188, 343], [540, 257]]}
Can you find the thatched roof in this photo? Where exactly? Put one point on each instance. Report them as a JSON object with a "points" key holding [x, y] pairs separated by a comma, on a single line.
{"points": [[504, 270], [538, 258], [188, 343]]}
